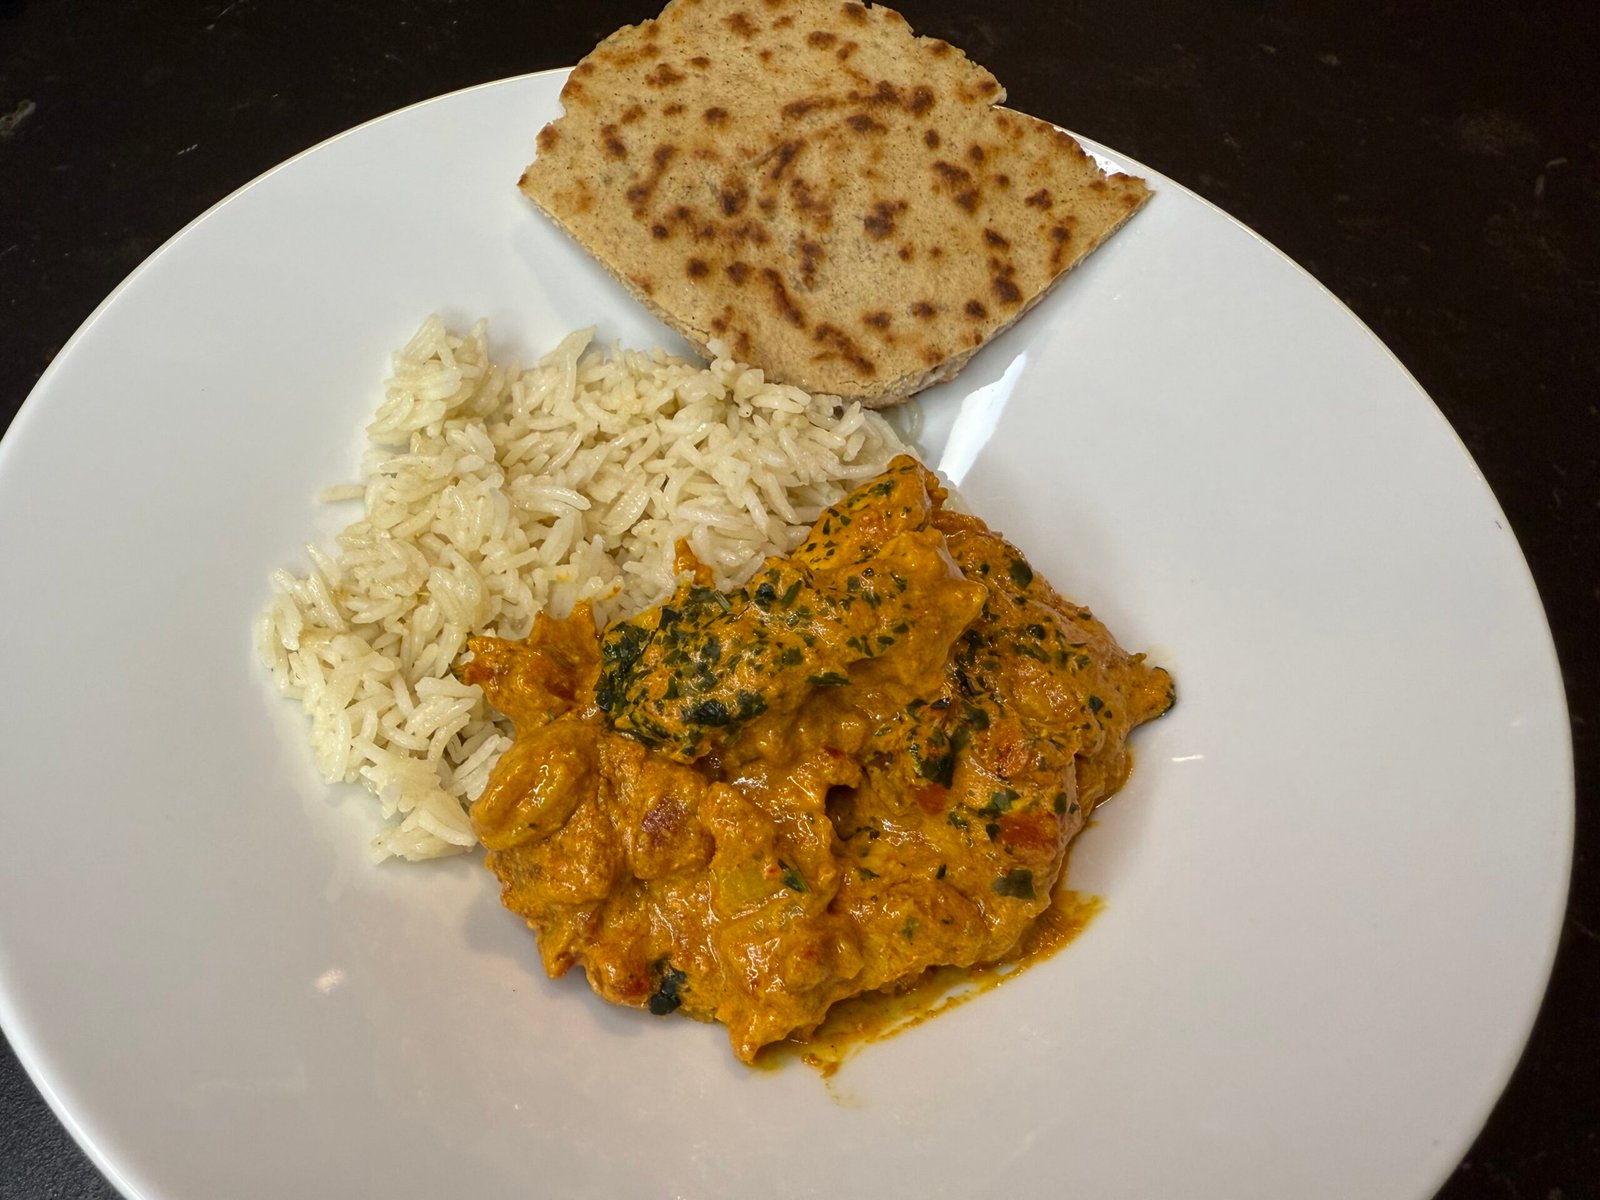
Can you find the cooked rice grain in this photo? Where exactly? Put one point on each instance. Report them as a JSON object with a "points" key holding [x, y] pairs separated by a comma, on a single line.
{"points": [[490, 494]]}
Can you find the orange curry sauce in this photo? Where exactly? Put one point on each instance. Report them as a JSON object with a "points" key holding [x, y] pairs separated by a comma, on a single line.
{"points": [[863, 766]]}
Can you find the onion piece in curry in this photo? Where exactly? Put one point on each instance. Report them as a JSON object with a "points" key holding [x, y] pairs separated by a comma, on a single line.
{"points": [[865, 763]]}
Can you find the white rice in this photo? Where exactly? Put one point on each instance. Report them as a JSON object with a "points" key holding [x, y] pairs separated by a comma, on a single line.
{"points": [[491, 493]]}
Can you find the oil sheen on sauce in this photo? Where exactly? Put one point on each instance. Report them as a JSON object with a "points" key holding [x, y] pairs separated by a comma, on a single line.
{"points": [[858, 1022]]}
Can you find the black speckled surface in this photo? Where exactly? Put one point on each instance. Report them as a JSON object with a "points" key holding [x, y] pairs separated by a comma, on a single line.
{"points": [[1436, 166]]}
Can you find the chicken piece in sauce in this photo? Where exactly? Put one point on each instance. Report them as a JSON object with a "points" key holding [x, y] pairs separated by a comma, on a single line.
{"points": [[866, 762]]}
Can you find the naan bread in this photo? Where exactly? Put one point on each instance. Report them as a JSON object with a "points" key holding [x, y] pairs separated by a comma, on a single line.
{"points": [[838, 201]]}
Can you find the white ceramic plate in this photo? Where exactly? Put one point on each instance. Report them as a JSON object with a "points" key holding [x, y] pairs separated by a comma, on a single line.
{"points": [[1333, 886]]}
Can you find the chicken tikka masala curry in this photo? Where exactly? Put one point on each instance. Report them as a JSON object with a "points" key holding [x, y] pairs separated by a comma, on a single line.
{"points": [[865, 763]]}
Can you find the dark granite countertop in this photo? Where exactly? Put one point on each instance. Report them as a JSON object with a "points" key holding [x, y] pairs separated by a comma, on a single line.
{"points": [[1438, 171]]}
